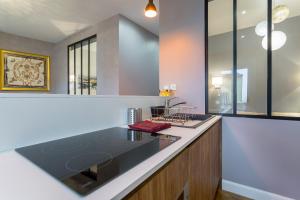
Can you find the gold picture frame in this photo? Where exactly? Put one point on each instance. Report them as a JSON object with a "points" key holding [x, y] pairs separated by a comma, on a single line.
{"points": [[21, 71]]}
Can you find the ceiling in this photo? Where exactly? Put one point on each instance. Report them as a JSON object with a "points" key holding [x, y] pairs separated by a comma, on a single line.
{"points": [[54, 20], [220, 13]]}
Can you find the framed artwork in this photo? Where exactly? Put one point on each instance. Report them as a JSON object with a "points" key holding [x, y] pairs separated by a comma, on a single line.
{"points": [[24, 71]]}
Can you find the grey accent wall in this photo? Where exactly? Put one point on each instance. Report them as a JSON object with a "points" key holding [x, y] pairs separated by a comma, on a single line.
{"points": [[23, 44], [107, 58], [138, 60], [182, 49], [263, 154]]}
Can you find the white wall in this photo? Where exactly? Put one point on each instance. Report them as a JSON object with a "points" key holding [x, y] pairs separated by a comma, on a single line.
{"points": [[23, 44], [182, 49], [260, 153], [28, 119]]}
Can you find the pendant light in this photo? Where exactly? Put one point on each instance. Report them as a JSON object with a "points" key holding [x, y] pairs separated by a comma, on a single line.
{"points": [[278, 40], [279, 13], [261, 28], [150, 10]]}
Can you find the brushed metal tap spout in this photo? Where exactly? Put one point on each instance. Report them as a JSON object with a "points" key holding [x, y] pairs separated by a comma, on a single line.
{"points": [[181, 103], [167, 102]]}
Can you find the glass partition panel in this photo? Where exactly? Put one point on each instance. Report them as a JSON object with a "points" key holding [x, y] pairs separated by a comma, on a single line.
{"points": [[220, 56], [78, 69], [251, 57], [285, 58], [93, 66], [82, 67], [85, 67], [71, 71]]}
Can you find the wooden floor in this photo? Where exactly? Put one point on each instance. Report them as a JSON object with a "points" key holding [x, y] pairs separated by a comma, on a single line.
{"points": [[223, 195]]}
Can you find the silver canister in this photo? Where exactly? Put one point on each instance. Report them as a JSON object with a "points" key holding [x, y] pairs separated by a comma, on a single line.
{"points": [[134, 115]]}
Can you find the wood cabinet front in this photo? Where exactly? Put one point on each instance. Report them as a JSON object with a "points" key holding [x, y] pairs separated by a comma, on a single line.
{"points": [[167, 183], [198, 167]]}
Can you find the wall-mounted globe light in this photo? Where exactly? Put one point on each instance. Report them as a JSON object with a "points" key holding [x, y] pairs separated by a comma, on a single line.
{"points": [[280, 13], [278, 40], [261, 28]]}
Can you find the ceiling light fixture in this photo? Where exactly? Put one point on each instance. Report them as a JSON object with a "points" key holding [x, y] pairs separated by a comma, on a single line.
{"points": [[278, 40], [280, 13], [261, 28], [150, 10], [244, 12]]}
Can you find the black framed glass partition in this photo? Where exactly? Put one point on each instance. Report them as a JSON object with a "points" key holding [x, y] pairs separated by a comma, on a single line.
{"points": [[252, 58], [219, 60], [82, 79]]}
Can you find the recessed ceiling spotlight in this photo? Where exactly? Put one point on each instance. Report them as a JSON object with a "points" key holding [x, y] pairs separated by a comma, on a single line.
{"points": [[243, 36], [244, 12]]}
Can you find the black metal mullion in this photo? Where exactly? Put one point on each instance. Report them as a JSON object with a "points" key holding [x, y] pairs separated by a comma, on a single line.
{"points": [[206, 58], [75, 75], [78, 42], [269, 55], [89, 68], [234, 74], [68, 70], [81, 68]]}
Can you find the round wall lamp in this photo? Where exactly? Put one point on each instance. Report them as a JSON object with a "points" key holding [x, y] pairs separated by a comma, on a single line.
{"points": [[150, 10], [278, 40]]}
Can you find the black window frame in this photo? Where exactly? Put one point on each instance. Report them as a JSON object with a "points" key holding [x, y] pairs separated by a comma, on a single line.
{"points": [[269, 68], [88, 39]]}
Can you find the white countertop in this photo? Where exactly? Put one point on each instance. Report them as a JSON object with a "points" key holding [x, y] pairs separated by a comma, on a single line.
{"points": [[22, 180]]}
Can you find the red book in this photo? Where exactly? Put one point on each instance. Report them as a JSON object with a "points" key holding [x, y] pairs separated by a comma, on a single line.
{"points": [[149, 126]]}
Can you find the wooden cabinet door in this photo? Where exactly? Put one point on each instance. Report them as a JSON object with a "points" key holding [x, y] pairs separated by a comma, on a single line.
{"points": [[199, 168], [205, 164], [177, 176], [216, 150], [152, 189], [167, 183]]}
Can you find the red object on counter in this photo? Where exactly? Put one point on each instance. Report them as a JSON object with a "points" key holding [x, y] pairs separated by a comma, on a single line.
{"points": [[149, 126]]}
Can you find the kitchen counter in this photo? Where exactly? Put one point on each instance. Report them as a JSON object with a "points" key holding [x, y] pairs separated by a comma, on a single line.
{"points": [[20, 179]]}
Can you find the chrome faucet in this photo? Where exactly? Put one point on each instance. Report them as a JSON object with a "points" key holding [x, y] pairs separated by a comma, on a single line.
{"points": [[168, 101]]}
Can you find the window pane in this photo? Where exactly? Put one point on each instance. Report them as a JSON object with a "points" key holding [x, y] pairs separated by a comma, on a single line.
{"points": [[71, 71], [78, 68], [85, 67], [93, 67], [286, 60], [220, 56], [252, 58]]}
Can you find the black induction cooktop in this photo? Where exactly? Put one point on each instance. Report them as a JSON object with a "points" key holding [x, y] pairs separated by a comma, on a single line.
{"points": [[88, 161]]}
